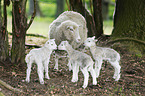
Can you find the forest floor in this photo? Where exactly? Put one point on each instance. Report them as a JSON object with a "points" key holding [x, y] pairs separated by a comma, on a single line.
{"points": [[131, 83]]}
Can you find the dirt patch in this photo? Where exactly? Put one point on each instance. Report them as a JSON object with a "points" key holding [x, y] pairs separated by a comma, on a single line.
{"points": [[132, 81]]}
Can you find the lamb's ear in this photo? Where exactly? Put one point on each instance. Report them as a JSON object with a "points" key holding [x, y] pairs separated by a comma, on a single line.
{"points": [[96, 40], [93, 37]]}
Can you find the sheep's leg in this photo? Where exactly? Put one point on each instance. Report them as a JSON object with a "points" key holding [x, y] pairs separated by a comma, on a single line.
{"points": [[46, 65], [117, 68], [93, 74], [40, 71], [75, 73], [98, 64], [29, 65], [86, 77], [56, 61]]}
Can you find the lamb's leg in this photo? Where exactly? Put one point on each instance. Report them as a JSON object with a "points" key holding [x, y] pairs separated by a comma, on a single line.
{"points": [[40, 71], [93, 74], [86, 77], [69, 65], [29, 65], [46, 65], [98, 64], [117, 68], [75, 68]]}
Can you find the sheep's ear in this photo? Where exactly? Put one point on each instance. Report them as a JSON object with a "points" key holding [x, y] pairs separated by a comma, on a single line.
{"points": [[93, 37]]}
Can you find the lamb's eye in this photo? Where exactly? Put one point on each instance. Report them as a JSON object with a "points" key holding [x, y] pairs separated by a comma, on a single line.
{"points": [[51, 44], [71, 29], [89, 41]]}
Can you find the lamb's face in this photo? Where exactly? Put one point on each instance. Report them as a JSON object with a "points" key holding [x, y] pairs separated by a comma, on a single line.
{"points": [[90, 42], [62, 45], [51, 44]]}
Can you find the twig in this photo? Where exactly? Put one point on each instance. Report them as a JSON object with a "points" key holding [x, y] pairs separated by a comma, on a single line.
{"points": [[32, 45], [33, 16], [138, 77], [10, 87]]}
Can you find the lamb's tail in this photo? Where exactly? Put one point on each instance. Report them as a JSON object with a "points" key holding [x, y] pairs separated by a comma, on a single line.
{"points": [[27, 58]]}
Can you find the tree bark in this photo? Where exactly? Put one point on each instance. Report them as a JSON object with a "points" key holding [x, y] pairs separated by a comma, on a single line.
{"points": [[60, 7], [4, 46], [129, 21], [19, 28], [95, 22]]}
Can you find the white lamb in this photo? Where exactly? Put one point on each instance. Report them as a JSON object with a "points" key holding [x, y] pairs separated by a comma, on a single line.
{"points": [[41, 57], [70, 26], [99, 54], [79, 59]]}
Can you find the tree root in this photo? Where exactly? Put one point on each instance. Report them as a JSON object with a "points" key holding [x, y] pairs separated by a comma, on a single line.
{"points": [[126, 39], [10, 87]]}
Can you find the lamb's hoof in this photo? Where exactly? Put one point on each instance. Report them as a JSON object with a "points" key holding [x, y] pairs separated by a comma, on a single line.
{"points": [[70, 69], [84, 86], [41, 82], [55, 68], [27, 80], [95, 83], [47, 77], [74, 80]]}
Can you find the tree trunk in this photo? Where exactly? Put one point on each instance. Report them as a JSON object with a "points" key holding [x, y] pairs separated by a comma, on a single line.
{"points": [[19, 28], [95, 22], [97, 7], [60, 7], [4, 46], [129, 21]]}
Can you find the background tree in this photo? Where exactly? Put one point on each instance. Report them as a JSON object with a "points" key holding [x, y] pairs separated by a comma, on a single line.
{"points": [[4, 46], [105, 9], [31, 8], [19, 28], [94, 22], [129, 21], [60, 7]]}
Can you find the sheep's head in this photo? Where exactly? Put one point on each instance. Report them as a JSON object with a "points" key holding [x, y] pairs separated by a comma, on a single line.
{"points": [[90, 41], [63, 45], [71, 30], [51, 44]]}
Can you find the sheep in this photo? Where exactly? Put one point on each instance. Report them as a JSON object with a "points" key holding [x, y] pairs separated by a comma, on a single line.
{"points": [[41, 57], [99, 54], [70, 26], [79, 59], [76, 18]]}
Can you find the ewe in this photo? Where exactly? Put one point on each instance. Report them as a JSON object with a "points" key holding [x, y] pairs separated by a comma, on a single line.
{"points": [[41, 57], [70, 26], [100, 54], [79, 59]]}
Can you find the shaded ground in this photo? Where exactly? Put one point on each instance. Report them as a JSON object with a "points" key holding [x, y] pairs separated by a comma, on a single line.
{"points": [[132, 81]]}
